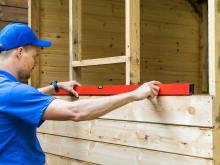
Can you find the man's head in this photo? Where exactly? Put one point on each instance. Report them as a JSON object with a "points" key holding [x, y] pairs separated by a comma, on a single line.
{"points": [[19, 49], [21, 60]]}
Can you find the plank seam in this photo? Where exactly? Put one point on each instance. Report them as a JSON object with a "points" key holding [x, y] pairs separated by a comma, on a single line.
{"points": [[48, 153]]}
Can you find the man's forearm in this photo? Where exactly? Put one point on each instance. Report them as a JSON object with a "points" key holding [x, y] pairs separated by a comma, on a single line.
{"points": [[93, 108], [48, 89]]}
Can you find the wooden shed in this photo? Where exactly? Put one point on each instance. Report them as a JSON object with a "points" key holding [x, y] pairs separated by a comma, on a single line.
{"points": [[102, 42]]}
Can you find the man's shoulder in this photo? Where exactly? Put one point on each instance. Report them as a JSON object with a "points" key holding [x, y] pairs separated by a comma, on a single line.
{"points": [[15, 90], [22, 90]]}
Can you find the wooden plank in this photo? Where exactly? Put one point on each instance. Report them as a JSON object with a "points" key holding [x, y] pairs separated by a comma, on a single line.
{"points": [[183, 52], [56, 5], [58, 51], [54, 60], [191, 141], [99, 61], [172, 110], [15, 3], [49, 73], [13, 14], [34, 23], [108, 154], [48, 25], [179, 110], [52, 159], [58, 37]]}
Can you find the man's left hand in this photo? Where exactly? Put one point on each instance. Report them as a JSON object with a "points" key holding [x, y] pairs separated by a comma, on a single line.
{"points": [[69, 86]]}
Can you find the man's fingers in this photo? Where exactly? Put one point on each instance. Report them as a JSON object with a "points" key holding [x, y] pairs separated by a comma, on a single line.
{"points": [[74, 93], [155, 87], [152, 95], [154, 90]]}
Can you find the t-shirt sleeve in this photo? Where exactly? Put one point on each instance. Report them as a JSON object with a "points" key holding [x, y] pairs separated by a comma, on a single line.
{"points": [[27, 104]]}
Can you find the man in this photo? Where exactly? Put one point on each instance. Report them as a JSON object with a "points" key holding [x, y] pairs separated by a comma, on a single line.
{"points": [[23, 108]]}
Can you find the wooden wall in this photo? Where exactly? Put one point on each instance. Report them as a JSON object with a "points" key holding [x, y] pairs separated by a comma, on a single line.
{"points": [[103, 35], [175, 130], [54, 26], [13, 11], [171, 50], [170, 42]]}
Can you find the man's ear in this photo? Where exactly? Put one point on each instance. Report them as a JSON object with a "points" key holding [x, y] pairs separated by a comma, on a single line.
{"points": [[19, 52]]}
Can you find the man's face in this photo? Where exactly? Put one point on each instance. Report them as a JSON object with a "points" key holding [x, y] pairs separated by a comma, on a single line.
{"points": [[27, 62]]}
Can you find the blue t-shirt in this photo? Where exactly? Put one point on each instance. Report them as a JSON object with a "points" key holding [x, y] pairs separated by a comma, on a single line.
{"points": [[21, 110]]}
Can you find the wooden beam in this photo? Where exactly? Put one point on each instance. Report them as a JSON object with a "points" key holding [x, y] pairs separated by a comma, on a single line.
{"points": [[214, 70], [203, 86], [178, 110], [33, 22], [213, 65], [127, 42], [99, 61], [70, 39], [193, 141], [75, 38], [109, 154], [132, 15]]}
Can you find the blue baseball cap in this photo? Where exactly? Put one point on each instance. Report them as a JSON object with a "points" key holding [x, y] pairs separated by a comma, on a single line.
{"points": [[17, 34]]}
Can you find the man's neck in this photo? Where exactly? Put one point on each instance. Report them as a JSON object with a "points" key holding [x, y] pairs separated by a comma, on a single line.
{"points": [[9, 69]]}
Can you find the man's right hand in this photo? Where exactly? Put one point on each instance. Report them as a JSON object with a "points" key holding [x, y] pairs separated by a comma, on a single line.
{"points": [[147, 90]]}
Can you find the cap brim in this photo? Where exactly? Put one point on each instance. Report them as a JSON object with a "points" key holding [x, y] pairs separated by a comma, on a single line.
{"points": [[42, 43]]}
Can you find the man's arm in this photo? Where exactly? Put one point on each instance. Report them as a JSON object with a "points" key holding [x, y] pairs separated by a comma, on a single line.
{"points": [[48, 89], [89, 109], [68, 86]]}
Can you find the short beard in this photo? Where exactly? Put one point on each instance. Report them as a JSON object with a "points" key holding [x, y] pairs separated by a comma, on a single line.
{"points": [[23, 76]]}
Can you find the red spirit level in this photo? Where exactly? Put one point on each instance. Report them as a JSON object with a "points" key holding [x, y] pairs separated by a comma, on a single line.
{"points": [[165, 89]]}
